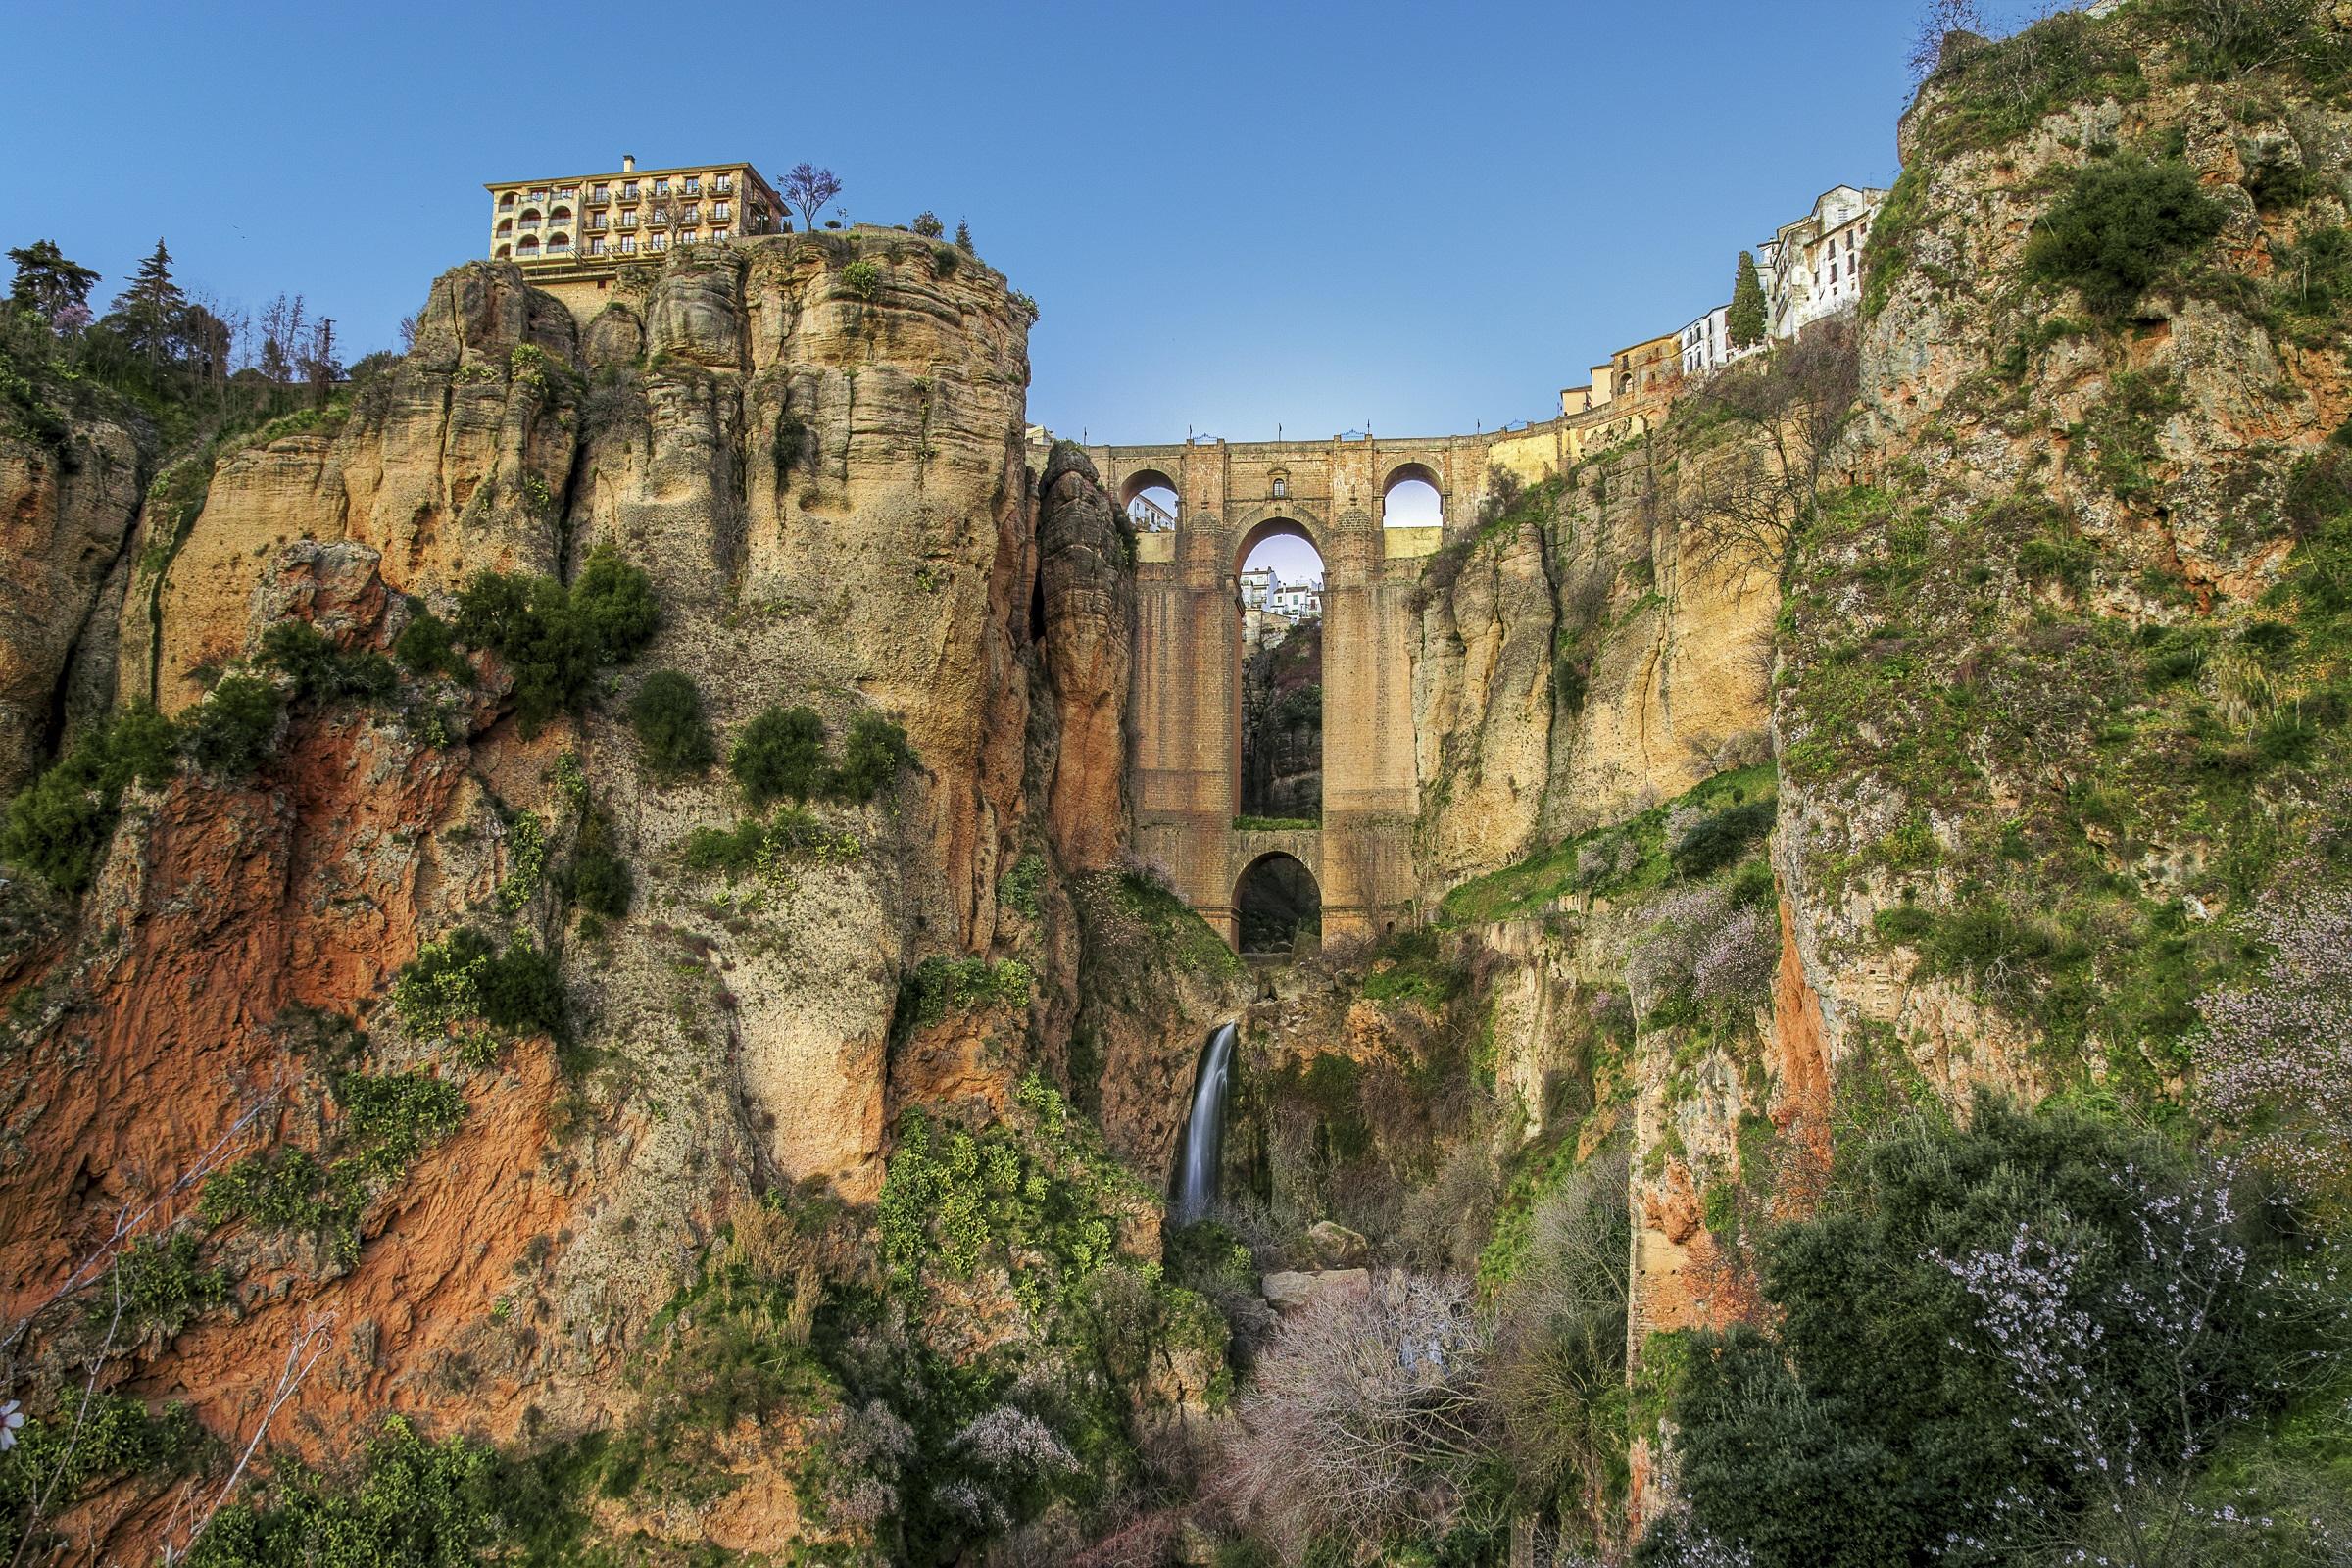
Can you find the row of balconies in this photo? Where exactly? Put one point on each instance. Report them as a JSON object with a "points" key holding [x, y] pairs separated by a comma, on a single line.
{"points": [[602, 195]]}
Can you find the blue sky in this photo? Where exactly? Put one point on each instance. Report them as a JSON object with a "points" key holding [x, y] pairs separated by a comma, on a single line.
{"points": [[1412, 220]]}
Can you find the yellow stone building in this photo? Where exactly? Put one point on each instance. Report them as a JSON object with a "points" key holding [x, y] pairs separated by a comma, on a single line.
{"points": [[583, 226]]}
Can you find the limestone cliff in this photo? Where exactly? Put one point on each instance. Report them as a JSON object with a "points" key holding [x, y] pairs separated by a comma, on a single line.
{"points": [[70, 502], [813, 448]]}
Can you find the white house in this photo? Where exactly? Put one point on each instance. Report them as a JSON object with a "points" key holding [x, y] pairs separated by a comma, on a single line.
{"points": [[1813, 268]]}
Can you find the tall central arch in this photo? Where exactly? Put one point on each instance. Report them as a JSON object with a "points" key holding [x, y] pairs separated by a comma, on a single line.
{"points": [[1186, 700]]}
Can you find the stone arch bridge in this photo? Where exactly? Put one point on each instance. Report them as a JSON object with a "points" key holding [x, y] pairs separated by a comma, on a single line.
{"points": [[1185, 769]]}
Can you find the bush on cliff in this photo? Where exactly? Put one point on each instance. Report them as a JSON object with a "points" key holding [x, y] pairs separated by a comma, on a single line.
{"points": [[2121, 229], [871, 759], [408, 1503], [2041, 1323], [780, 754], [58, 826], [667, 714], [462, 976], [235, 727], [552, 640], [322, 672]]}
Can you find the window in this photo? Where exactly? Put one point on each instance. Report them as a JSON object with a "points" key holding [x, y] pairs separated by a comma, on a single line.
{"points": [[722, 183], [602, 193], [694, 185], [690, 215], [720, 234], [628, 219], [505, 201], [685, 236], [628, 192], [595, 246], [721, 212], [661, 187], [567, 193], [1282, 487], [628, 244], [659, 242], [596, 221]]}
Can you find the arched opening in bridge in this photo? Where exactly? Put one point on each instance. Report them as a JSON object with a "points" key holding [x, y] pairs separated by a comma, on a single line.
{"points": [[1278, 906], [1409, 499], [1150, 497], [1278, 578]]}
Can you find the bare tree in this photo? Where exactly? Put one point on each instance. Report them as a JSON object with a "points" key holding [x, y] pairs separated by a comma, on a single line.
{"points": [[1946, 30], [809, 188], [1738, 505], [305, 1346], [1365, 1416], [320, 365], [408, 335], [283, 324]]}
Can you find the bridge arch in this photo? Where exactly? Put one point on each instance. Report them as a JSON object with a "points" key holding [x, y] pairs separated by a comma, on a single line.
{"points": [[1412, 496], [1153, 499], [1277, 904], [1282, 525]]}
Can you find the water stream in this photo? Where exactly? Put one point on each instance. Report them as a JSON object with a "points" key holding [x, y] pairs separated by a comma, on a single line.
{"points": [[1204, 1145]]}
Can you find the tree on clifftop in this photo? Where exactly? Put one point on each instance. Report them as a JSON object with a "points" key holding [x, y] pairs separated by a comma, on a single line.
{"points": [[809, 188], [1746, 322], [151, 307], [49, 283]]}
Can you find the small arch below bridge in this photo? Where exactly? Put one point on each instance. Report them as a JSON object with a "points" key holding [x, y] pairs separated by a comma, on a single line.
{"points": [[1277, 905]]}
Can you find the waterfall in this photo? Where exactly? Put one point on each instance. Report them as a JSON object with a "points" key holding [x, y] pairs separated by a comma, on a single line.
{"points": [[1204, 1143]]}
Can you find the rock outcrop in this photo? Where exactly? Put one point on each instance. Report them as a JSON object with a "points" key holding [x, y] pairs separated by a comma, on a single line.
{"points": [[1086, 603], [67, 508]]}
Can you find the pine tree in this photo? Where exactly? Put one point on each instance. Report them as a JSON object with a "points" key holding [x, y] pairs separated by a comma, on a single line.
{"points": [[963, 237], [49, 283], [1745, 321], [151, 308]]}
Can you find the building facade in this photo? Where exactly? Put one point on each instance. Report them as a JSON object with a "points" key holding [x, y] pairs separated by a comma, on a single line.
{"points": [[1813, 268], [588, 223]]}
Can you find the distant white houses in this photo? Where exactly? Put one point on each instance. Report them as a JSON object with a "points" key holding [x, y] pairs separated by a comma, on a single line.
{"points": [[1809, 269], [1264, 591]]}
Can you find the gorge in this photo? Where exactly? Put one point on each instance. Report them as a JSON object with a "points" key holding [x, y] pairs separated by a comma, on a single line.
{"points": [[647, 937]]}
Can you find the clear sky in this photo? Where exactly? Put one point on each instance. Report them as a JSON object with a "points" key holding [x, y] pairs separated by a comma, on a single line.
{"points": [[1411, 219]]}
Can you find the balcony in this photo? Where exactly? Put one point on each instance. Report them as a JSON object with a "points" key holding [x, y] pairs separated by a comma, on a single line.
{"points": [[598, 198], [694, 187], [723, 188], [530, 224]]}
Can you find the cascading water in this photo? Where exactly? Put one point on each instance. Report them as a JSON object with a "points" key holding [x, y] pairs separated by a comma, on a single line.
{"points": [[1204, 1145]]}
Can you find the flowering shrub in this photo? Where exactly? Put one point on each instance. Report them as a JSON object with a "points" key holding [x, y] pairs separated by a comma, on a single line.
{"points": [[2276, 1055]]}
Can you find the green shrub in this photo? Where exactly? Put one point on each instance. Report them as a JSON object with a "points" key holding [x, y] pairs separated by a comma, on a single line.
{"points": [[427, 646], [234, 729], [320, 671], [1875, 1422], [2121, 229], [163, 1285], [757, 845], [667, 714], [780, 754], [1723, 838], [59, 825], [462, 976], [386, 1121], [55, 1462], [871, 759], [1020, 886], [596, 878], [615, 603], [937, 987], [409, 1503], [554, 642]]}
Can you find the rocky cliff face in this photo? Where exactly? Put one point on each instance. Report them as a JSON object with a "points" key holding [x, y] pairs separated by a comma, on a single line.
{"points": [[1282, 725], [1573, 667], [813, 448], [70, 506]]}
